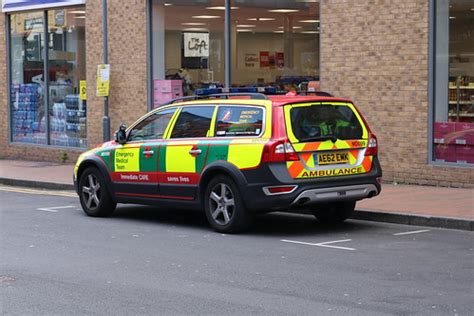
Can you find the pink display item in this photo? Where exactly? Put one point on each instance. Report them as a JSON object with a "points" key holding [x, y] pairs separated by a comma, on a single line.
{"points": [[168, 86], [443, 132], [465, 154], [464, 133], [166, 90], [445, 153]]}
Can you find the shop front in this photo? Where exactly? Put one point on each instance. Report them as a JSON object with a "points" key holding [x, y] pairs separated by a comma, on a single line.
{"points": [[46, 53], [272, 43], [408, 65]]}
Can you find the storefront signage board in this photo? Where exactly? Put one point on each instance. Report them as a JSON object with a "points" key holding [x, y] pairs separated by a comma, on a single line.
{"points": [[103, 80], [23, 5], [196, 44]]}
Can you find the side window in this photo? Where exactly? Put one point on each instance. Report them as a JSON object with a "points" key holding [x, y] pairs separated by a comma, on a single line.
{"points": [[193, 122], [152, 127], [239, 121]]}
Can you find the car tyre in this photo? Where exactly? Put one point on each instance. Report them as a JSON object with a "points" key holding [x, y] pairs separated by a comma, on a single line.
{"points": [[224, 208], [334, 213], [93, 194]]}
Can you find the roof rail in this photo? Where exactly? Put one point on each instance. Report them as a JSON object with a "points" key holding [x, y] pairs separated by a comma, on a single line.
{"points": [[185, 98], [252, 95]]}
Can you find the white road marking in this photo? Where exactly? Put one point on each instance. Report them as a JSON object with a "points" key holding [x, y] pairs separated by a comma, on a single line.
{"points": [[412, 232], [37, 191], [54, 209], [321, 244]]}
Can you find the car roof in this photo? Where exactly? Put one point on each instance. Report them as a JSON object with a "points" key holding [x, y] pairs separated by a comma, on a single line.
{"points": [[274, 100]]}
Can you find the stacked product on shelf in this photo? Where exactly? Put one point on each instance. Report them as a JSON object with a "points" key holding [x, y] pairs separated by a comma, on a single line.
{"points": [[454, 142], [461, 99], [26, 114], [58, 125], [68, 122], [75, 121]]}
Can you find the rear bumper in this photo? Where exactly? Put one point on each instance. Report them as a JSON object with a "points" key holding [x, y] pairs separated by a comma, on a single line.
{"points": [[343, 193], [309, 192]]}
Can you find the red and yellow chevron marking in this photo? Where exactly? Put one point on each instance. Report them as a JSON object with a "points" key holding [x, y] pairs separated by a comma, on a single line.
{"points": [[298, 171]]}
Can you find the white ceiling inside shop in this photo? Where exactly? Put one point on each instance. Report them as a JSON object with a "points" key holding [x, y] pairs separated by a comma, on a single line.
{"points": [[248, 15]]}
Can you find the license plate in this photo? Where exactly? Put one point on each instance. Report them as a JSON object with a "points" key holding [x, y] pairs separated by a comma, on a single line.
{"points": [[332, 158]]}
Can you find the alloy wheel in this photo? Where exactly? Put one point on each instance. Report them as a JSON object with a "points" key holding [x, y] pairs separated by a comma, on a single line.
{"points": [[221, 204], [91, 193]]}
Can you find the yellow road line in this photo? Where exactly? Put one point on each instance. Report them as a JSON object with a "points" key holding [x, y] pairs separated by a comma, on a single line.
{"points": [[37, 191]]}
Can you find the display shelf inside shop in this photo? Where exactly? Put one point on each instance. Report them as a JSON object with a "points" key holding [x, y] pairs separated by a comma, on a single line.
{"points": [[461, 99]]}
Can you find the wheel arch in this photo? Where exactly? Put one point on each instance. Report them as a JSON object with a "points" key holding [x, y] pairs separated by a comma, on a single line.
{"points": [[96, 163], [220, 168]]}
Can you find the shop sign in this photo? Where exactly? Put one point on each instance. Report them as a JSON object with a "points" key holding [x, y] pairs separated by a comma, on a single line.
{"points": [[264, 59], [82, 90], [22, 5], [59, 18], [251, 60], [30, 24], [196, 44], [103, 80], [280, 59]]}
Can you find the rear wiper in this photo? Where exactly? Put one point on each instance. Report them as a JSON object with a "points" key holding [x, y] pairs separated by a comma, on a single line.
{"points": [[319, 138]]}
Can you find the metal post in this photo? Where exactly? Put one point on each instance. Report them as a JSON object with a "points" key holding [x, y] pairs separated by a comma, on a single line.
{"points": [[46, 76], [9, 76], [227, 37], [149, 44], [106, 118]]}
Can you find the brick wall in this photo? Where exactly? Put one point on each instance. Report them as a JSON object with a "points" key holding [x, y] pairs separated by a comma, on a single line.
{"points": [[127, 56], [128, 60], [375, 52]]}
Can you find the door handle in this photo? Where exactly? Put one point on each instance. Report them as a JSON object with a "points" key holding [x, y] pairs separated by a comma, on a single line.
{"points": [[195, 151], [148, 152]]}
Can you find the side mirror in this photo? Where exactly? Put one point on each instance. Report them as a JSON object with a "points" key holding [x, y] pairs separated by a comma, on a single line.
{"points": [[121, 134]]}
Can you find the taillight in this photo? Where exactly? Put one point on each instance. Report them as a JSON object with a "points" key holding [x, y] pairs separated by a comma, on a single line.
{"points": [[372, 146], [279, 151]]}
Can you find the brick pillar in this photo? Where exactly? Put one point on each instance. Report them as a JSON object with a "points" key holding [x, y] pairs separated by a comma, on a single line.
{"points": [[375, 52], [127, 35]]}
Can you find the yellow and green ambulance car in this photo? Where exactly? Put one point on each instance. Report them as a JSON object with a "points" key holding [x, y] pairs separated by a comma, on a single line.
{"points": [[234, 156]]}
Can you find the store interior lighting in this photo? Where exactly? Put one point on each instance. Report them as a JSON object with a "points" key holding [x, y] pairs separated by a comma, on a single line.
{"points": [[284, 10], [193, 23], [205, 16], [295, 27], [246, 25], [196, 29], [261, 19], [221, 8], [309, 21]]}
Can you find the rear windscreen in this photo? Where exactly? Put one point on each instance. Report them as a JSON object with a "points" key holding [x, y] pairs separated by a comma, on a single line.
{"points": [[321, 120]]}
